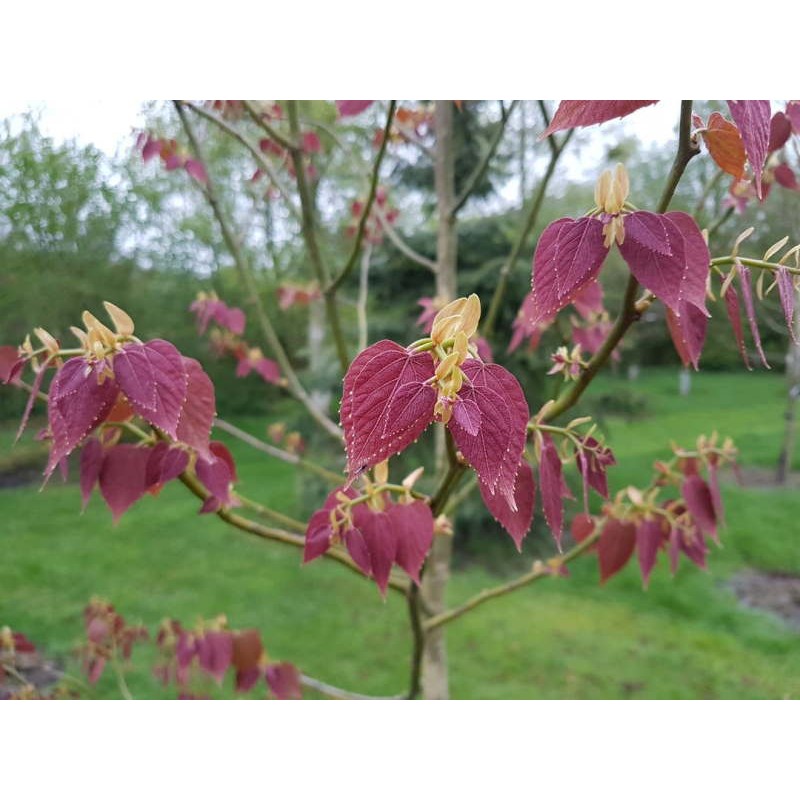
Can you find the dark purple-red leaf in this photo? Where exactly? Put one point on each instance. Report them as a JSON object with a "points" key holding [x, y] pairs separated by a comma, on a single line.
{"points": [[700, 504], [615, 547], [357, 548], [283, 680], [735, 317], [123, 477], [552, 488], [467, 414], [780, 129], [154, 379], [747, 294], [495, 451], [91, 464], [648, 230], [661, 273], [568, 256], [786, 177], [413, 529], [165, 464], [593, 460], [381, 540], [80, 398], [649, 540], [580, 113], [197, 413], [697, 259], [688, 333], [215, 653], [350, 108], [376, 424], [10, 364], [752, 117], [217, 476], [516, 522], [318, 535]]}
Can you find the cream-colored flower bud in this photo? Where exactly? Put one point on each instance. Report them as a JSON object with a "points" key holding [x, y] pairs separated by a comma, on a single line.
{"points": [[122, 321], [80, 336], [462, 314], [602, 188], [446, 365], [48, 341], [103, 333], [461, 346], [413, 477]]}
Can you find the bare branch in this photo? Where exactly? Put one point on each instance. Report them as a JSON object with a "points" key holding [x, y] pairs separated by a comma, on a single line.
{"points": [[273, 134]]}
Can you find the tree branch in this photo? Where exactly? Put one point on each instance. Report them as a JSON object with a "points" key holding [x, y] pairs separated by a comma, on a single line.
{"points": [[273, 134], [263, 163], [335, 693], [243, 268], [481, 167], [538, 572], [362, 222], [310, 237], [403, 247], [530, 223]]}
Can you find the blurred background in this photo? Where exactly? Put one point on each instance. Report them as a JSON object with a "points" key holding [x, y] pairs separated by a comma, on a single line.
{"points": [[83, 218]]}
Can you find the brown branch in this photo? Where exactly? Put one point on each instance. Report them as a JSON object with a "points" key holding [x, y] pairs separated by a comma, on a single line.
{"points": [[263, 163], [538, 572], [530, 222], [362, 222], [273, 134], [295, 388], [480, 169], [277, 452], [310, 238]]}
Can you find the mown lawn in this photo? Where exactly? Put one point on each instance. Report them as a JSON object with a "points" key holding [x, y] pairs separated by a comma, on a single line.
{"points": [[686, 637]]}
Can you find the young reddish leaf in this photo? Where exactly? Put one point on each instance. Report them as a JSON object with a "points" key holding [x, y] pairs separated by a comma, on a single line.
{"points": [[589, 300], [780, 129], [91, 464], [552, 488], [215, 653], [311, 143], [32, 395], [196, 170], [381, 540], [318, 535], [165, 464], [467, 414], [697, 260], [495, 451], [615, 547], [725, 145], [10, 364], [269, 371], [524, 329], [590, 338], [793, 112], [350, 108], [122, 477], [376, 424], [516, 522], [747, 294], [786, 291], [217, 476], [660, 272], [413, 530], [593, 460], [735, 317], [648, 229], [716, 495], [688, 333], [583, 526], [649, 540], [357, 548], [752, 117], [78, 403], [152, 148], [283, 680], [568, 256], [700, 504], [154, 379], [198, 412], [580, 113], [786, 177]]}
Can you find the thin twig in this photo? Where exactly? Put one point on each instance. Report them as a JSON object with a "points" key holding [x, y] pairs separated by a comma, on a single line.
{"points": [[362, 222], [245, 274], [538, 572], [480, 169], [363, 296], [402, 246], [273, 134], [335, 693], [263, 163]]}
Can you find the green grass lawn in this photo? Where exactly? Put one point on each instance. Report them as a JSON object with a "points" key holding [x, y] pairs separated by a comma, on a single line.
{"points": [[686, 637]]}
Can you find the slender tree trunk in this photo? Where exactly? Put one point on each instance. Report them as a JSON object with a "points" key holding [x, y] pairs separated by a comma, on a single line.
{"points": [[790, 415], [435, 685], [318, 353]]}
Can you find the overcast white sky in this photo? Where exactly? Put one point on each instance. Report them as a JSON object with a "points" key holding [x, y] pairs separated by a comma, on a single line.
{"points": [[108, 123]]}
